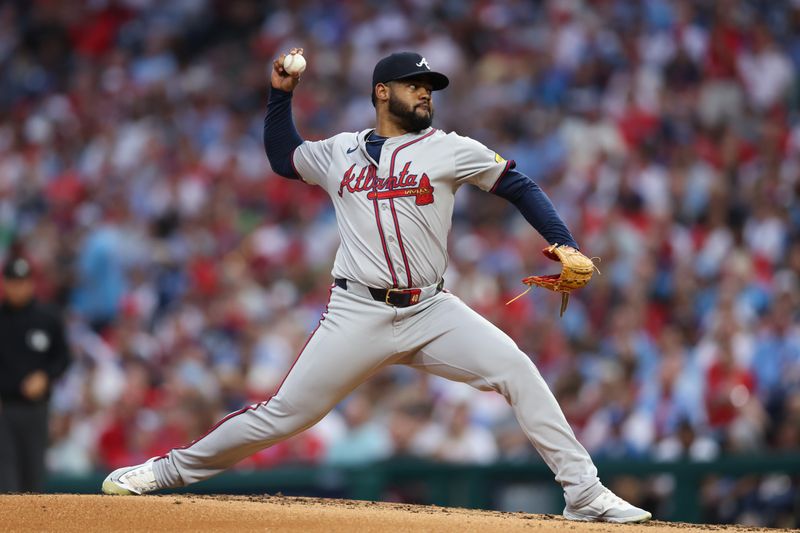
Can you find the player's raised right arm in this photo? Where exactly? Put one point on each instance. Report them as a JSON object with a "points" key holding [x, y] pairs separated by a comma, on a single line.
{"points": [[280, 135]]}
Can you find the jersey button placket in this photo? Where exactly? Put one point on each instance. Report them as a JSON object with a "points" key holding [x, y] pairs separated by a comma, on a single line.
{"points": [[387, 220]]}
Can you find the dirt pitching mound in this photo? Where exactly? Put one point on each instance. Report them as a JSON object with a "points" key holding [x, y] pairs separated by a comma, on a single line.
{"points": [[89, 513]]}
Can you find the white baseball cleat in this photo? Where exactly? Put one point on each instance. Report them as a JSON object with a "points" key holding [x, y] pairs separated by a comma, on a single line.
{"points": [[607, 507], [138, 479]]}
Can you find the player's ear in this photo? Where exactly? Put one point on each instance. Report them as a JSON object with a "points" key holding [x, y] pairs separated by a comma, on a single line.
{"points": [[380, 93]]}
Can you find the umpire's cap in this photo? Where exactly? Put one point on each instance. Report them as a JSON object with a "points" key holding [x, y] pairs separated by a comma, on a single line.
{"points": [[17, 268], [402, 65]]}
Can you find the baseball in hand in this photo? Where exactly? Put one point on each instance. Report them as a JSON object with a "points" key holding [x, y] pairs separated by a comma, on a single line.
{"points": [[294, 64]]}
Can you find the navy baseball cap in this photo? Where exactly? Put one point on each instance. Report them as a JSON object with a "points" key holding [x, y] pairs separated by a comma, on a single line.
{"points": [[17, 268], [403, 65]]}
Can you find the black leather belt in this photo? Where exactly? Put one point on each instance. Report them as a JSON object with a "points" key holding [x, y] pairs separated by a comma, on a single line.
{"points": [[394, 297]]}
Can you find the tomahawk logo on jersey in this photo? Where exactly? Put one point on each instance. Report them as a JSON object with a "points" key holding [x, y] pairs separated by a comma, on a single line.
{"points": [[404, 185]]}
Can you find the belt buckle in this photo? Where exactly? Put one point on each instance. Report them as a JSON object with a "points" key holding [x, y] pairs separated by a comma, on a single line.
{"points": [[415, 294], [389, 293]]}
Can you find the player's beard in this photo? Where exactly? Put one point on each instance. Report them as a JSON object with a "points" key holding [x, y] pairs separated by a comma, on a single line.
{"points": [[408, 117]]}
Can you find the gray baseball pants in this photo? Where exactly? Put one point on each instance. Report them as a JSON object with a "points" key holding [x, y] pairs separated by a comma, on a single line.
{"points": [[358, 336]]}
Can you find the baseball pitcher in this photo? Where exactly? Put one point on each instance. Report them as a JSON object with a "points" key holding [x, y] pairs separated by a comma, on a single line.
{"points": [[393, 187]]}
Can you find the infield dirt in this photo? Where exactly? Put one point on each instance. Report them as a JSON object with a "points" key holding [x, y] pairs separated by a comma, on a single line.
{"points": [[89, 513]]}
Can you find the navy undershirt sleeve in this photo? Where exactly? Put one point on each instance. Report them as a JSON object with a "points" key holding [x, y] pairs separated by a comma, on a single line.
{"points": [[280, 135], [534, 205]]}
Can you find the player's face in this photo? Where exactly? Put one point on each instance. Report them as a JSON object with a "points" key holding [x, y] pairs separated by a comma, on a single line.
{"points": [[411, 104]]}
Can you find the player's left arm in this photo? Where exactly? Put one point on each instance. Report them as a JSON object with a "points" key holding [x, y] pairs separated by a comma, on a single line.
{"points": [[534, 205], [476, 164]]}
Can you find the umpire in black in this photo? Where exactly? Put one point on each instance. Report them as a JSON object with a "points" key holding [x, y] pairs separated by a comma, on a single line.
{"points": [[33, 353]]}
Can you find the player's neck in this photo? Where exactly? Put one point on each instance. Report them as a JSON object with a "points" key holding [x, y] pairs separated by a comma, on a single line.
{"points": [[386, 127]]}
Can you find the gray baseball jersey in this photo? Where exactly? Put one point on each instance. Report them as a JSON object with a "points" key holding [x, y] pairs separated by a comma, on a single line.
{"points": [[393, 217]]}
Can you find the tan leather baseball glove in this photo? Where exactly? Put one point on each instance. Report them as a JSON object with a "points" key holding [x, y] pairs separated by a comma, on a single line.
{"points": [[576, 271]]}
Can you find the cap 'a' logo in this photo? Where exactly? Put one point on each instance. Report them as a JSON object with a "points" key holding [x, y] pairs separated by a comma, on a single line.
{"points": [[424, 62]]}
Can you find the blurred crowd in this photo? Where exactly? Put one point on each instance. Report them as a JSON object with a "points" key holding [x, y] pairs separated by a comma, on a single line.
{"points": [[666, 132]]}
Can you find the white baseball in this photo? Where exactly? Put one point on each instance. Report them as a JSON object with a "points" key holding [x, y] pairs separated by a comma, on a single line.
{"points": [[294, 64]]}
